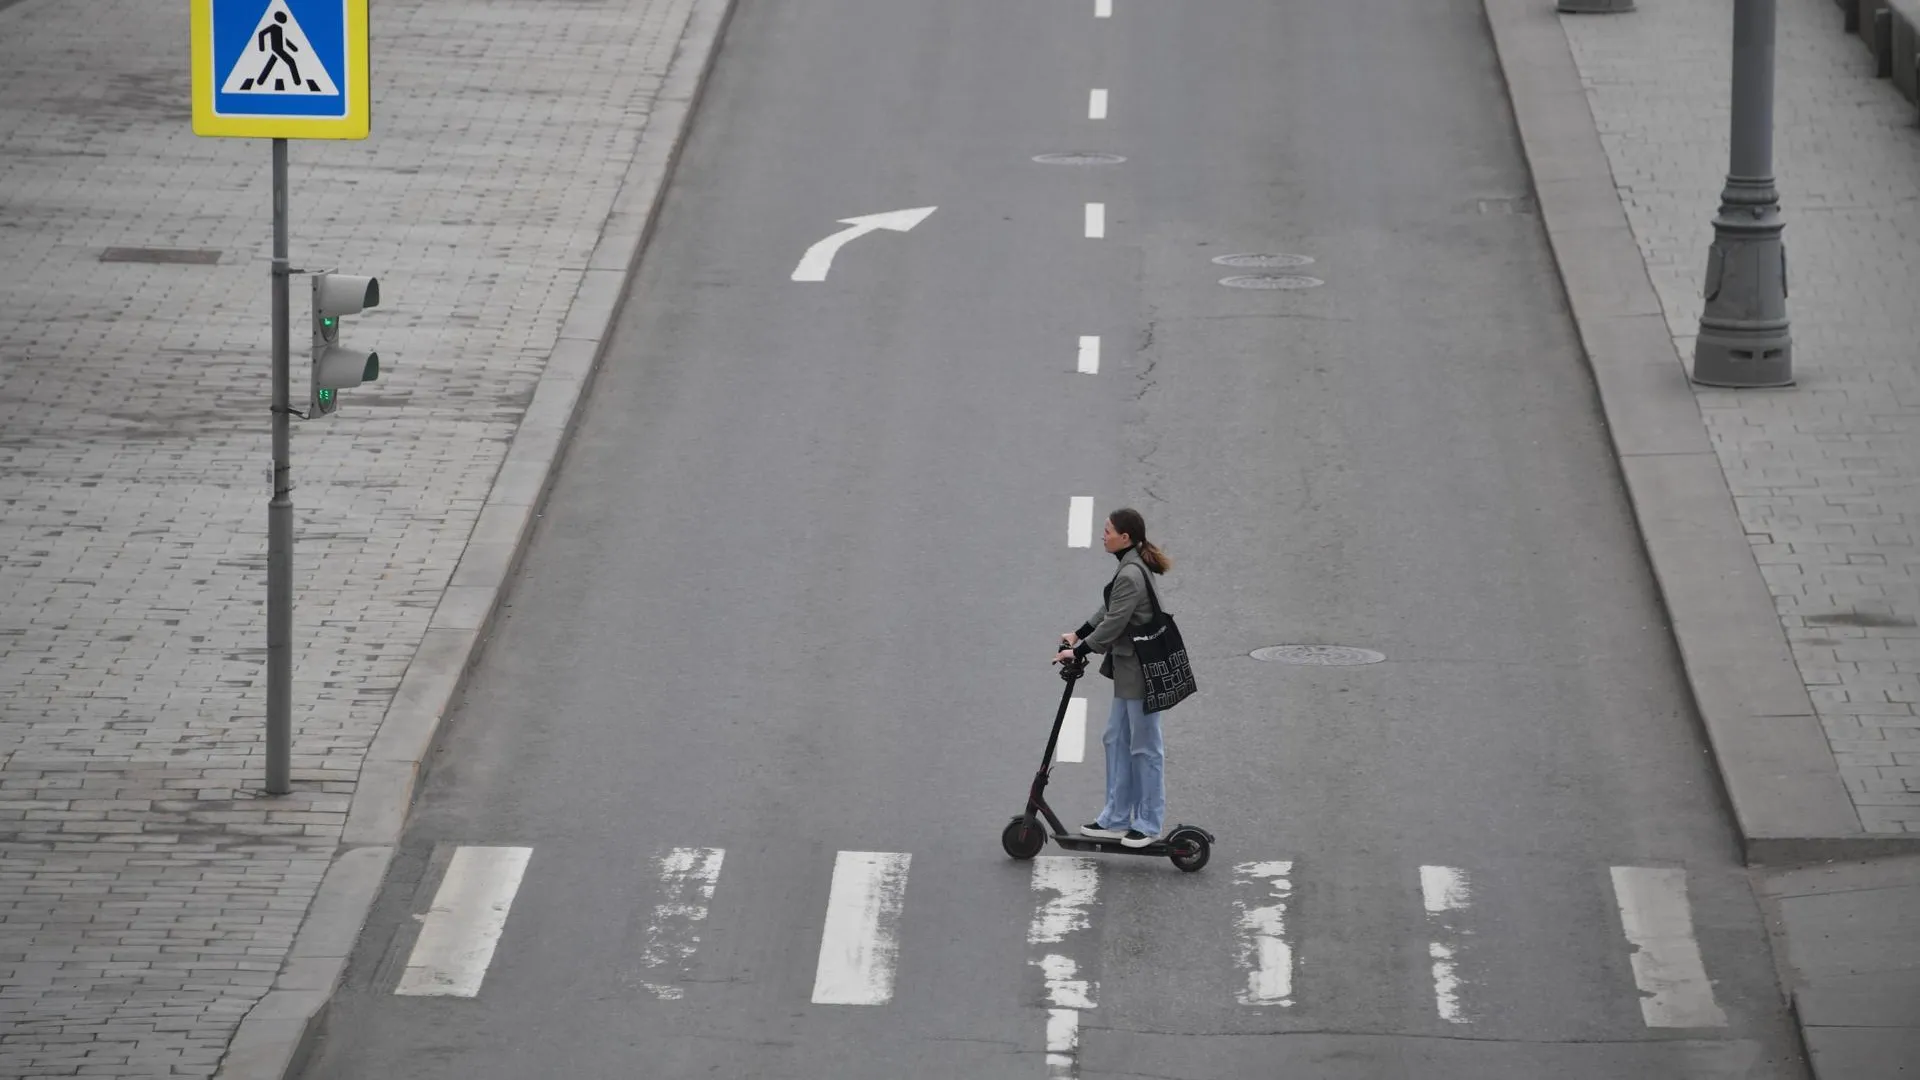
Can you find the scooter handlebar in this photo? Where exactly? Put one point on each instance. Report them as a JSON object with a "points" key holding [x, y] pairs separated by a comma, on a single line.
{"points": [[1073, 667]]}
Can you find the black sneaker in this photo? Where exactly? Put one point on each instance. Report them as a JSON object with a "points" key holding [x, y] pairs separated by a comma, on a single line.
{"points": [[1094, 830], [1136, 838]]}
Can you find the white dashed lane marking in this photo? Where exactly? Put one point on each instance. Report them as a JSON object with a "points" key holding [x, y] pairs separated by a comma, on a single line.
{"points": [[1089, 355], [1073, 733], [1080, 521]]}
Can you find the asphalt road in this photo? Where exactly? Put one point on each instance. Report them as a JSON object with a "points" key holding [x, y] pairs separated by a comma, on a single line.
{"points": [[795, 590]]}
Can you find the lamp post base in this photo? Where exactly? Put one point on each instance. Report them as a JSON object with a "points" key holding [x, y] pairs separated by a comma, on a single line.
{"points": [[1745, 339], [1743, 360]]}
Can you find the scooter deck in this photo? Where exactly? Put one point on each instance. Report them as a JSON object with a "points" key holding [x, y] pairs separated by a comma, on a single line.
{"points": [[1113, 847], [1160, 848]]}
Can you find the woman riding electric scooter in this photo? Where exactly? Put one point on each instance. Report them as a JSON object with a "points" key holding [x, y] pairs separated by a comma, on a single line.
{"points": [[1136, 760]]}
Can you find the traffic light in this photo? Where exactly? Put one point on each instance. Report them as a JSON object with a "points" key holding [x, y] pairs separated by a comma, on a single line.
{"points": [[336, 368]]}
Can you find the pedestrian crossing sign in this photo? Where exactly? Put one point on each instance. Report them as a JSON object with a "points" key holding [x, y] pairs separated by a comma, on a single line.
{"points": [[280, 69]]}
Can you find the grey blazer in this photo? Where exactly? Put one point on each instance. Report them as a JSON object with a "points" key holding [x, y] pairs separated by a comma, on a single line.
{"points": [[1128, 604]]}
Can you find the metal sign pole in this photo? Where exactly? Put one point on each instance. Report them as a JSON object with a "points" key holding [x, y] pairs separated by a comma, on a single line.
{"points": [[280, 510]]}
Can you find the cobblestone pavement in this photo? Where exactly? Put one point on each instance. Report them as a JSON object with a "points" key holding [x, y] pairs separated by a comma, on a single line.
{"points": [[147, 894], [1826, 476]]}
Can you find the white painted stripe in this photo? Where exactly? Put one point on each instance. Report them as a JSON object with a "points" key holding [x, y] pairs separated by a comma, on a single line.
{"points": [[1097, 105], [1065, 988], [1446, 984], [1063, 1042], [1666, 959], [687, 880], [1080, 521], [462, 927], [1264, 950], [1089, 355], [1445, 891], [1074, 880], [1096, 220], [1070, 884], [1073, 733], [860, 942], [1103, 9]]}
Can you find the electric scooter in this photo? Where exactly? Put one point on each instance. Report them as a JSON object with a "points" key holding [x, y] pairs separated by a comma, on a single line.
{"points": [[1189, 846]]}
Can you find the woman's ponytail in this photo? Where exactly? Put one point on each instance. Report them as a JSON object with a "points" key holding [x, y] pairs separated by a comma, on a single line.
{"points": [[1128, 522], [1156, 560]]}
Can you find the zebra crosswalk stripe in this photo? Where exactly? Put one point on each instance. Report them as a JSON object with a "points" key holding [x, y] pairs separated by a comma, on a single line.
{"points": [[457, 938], [1444, 890], [1265, 952], [687, 880], [861, 928], [1667, 964], [860, 940]]}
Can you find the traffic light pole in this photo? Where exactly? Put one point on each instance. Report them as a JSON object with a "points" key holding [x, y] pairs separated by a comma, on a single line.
{"points": [[280, 510]]}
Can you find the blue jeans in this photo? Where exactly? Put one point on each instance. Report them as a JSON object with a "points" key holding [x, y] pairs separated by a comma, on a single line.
{"points": [[1136, 769]]}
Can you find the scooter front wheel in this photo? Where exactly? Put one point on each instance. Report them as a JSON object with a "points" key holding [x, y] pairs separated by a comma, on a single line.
{"points": [[1021, 839], [1190, 850]]}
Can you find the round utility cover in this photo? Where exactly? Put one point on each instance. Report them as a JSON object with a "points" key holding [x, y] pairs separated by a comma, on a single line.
{"points": [[1263, 262], [1271, 281], [1319, 655], [1079, 157]]}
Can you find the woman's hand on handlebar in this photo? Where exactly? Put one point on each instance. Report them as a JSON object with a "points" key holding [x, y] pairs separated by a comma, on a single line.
{"points": [[1069, 639], [1063, 656]]}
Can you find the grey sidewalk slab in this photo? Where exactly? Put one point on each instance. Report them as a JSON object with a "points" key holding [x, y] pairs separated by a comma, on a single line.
{"points": [[1852, 945], [1824, 477], [518, 155], [1789, 796], [1784, 540]]}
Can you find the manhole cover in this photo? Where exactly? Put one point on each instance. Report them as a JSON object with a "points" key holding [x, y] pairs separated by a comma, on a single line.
{"points": [[184, 256], [1319, 655], [1264, 262], [1507, 204], [1271, 281], [1079, 157]]}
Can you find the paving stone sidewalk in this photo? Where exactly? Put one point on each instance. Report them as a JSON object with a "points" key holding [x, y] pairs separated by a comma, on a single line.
{"points": [[147, 892], [1825, 476]]}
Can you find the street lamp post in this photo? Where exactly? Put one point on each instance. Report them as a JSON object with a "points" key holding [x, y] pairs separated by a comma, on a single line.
{"points": [[1744, 337]]}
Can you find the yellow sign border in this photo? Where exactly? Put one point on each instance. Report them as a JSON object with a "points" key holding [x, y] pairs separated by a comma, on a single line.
{"points": [[354, 125]]}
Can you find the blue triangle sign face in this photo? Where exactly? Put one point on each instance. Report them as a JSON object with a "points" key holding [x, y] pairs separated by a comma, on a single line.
{"points": [[279, 59]]}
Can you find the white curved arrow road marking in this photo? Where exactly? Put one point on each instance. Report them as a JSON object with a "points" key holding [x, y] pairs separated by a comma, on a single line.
{"points": [[819, 258]]}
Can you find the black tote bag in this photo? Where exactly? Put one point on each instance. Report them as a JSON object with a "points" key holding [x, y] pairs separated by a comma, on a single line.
{"points": [[1163, 656]]}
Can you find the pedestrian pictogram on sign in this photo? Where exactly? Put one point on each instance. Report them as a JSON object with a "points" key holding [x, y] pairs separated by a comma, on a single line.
{"points": [[280, 69], [280, 61]]}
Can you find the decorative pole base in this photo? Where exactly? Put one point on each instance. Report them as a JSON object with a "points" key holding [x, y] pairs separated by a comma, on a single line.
{"points": [[1744, 339], [1592, 7]]}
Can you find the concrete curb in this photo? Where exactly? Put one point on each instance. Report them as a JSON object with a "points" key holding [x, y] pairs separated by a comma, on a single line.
{"points": [[274, 1038], [1774, 760]]}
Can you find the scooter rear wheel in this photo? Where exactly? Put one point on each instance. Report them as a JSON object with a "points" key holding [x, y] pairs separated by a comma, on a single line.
{"points": [[1022, 840], [1190, 850]]}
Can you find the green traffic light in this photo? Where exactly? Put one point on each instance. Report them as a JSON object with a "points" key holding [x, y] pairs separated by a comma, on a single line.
{"points": [[326, 397], [329, 321]]}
